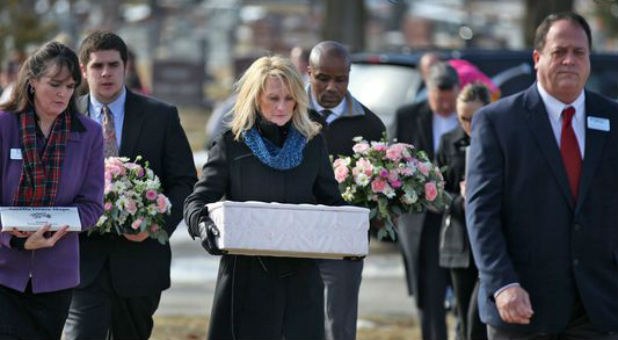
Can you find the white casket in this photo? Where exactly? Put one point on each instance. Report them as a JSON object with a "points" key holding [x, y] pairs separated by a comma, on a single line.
{"points": [[291, 230]]}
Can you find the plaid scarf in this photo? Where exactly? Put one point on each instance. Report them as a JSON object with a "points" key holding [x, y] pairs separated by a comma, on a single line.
{"points": [[40, 174]]}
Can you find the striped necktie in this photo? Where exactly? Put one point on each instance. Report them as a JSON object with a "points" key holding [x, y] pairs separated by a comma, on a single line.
{"points": [[109, 133]]}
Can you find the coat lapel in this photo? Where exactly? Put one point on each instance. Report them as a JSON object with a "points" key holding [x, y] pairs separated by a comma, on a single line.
{"points": [[132, 126], [595, 145], [425, 122], [544, 137]]}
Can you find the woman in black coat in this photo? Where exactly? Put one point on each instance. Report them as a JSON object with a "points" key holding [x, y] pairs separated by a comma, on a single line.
{"points": [[273, 153], [455, 252]]}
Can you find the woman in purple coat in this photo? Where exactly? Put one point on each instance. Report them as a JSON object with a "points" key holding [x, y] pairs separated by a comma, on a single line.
{"points": [[49, 156]]}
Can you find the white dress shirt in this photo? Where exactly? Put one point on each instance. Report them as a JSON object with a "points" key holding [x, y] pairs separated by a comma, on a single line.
{"points": [[440, 126], [337, 111], [554, 109]]}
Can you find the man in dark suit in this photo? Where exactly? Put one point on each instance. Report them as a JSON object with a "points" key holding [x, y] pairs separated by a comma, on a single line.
{"points": [[342, 118], [542, 192], [422, 125], [122, 276]]}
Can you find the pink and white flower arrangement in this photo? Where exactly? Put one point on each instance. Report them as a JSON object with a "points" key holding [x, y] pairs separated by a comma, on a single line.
{"points": [[389, 179], [133, 200]]}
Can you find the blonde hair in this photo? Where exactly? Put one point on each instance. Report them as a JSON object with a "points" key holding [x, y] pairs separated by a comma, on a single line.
{"points": [[252, 84], [475, 92]]}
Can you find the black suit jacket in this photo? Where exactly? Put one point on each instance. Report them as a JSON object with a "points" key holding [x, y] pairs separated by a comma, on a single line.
{"points": [[415, 126], [454, 246], [523, 224], [340, 133], [151, 129]]}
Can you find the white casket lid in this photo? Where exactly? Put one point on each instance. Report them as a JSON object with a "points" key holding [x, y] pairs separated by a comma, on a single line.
{"points": [[291, 230], [287, 206]]}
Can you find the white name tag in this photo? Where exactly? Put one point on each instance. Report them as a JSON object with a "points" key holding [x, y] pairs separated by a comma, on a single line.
{"points": [[15, 153], [598, 123]]}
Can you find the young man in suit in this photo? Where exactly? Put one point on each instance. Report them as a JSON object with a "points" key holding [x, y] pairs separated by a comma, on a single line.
{"points": [[542, 192], [122, 276], [342, 118], [422, 125]]}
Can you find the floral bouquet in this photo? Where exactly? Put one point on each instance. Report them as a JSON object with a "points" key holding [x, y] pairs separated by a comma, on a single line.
{"points": [[389, 180], [133, 200]]}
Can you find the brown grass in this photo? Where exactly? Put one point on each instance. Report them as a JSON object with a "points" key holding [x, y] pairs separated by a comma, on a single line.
{"points": [[193, 122], [378, 327]]}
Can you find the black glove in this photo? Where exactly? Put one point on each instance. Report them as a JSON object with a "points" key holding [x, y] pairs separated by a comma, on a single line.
{"points": [[207, 232]]}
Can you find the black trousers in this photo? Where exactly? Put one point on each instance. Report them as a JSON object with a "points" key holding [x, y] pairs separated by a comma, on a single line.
{"points": [[466, 286], [579, 327], [433, 281], [32, 316], [98, 312]]}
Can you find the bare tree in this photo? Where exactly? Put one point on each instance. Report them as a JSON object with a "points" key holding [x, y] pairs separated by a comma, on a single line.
{"points": [[21, 26], [344, 21], [536, 11]]}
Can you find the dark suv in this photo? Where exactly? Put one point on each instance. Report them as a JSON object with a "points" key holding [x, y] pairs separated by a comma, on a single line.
{"points": [[386, 81]]}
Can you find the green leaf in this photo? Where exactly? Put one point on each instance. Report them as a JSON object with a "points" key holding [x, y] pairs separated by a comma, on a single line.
{"points": [[391, 232], [162, 238]]}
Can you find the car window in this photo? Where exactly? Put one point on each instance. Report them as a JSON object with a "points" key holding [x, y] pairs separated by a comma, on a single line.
{"points": [[384, 88]]}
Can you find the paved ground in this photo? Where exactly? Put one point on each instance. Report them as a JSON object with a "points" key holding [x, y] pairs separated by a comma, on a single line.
{"points": [[194, 273]]}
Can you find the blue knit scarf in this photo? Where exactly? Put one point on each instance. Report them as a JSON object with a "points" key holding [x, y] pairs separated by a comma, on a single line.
{"points": [[281, 158]]}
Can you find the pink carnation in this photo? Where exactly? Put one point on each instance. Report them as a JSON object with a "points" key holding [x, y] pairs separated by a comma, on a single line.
{"points": [[137, 223], [135, 166], [394, 152], [378, 185], [339, 162], [364, 166], [131, 206], [116, 170], [380, 147], [393, 175], [161, 203], [431, 191], [361, 148], [396, 184], [341, 173], [424, 169], [108, 206], [151, 195], [406, 171]]}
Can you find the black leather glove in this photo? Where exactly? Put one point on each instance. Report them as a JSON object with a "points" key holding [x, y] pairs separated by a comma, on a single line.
{"points": [[207, 232]]}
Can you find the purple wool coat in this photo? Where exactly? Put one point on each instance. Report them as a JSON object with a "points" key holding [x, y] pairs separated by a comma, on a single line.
{"points": [[81, 185]]}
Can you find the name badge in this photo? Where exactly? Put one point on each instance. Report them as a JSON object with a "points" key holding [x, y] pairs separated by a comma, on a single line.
{"points": [[598, 123], [15, 153]]}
